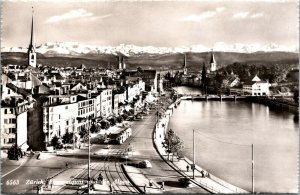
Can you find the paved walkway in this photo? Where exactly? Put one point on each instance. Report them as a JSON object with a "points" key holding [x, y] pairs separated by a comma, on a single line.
{"points": [[202, 177], [141, 181]]}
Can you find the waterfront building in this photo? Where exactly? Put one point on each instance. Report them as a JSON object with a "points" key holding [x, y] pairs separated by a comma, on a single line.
{"points": [[256, 87], [152, 79]]}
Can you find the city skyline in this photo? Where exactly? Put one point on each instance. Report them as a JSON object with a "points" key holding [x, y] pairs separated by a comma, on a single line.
{"points": [[165, 23]]}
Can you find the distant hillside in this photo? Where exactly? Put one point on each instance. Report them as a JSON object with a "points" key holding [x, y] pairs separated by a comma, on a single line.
{"points": [[156, 61]]}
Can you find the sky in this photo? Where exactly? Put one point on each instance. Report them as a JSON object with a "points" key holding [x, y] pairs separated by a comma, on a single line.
{"points": [[156, 23]]}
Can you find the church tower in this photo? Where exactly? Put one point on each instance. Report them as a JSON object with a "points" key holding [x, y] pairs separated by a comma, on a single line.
{"points": [[213, 64], [31, 49], [184, 65]]}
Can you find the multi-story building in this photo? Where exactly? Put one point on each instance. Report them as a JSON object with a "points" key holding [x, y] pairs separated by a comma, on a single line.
{"points": [[256, 87], [60, 114], [14, 106]]}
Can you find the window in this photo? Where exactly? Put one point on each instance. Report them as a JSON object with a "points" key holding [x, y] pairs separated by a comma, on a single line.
{"points": [[12, 121], [5, 111], [11, 140], [32, 57], [67, 122], [8, 91], [11, 111], [12, 130]]}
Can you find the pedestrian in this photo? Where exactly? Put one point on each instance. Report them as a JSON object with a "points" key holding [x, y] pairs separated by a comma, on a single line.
{"points": [[38, 156], [51, 183], [202, 173], [187, 168], [162, 187], [79, 146], [111, 188], [100, 178], [150, 183], [47, 183], [145, 186], [67, 165]]}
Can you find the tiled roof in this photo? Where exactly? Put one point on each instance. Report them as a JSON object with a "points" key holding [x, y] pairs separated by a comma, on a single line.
{"points": [[16, 89]]}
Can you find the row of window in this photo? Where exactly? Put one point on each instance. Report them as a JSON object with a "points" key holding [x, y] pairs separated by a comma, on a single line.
{"points": [[9, 111], [85, 110], [10, 121], [86, 103], [10, 130], [9, 140]]}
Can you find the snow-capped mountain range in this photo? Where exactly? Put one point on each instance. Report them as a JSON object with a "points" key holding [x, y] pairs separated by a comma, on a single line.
{"points": [[74, 48]]}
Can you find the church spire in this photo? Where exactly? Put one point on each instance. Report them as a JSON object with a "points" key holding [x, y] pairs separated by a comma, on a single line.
{"points": [[32, 41], [31, 48], [184, 65], [213, 64]]}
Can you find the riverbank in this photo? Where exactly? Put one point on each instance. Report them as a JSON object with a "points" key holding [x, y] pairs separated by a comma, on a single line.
{"points": [[209, 182]]}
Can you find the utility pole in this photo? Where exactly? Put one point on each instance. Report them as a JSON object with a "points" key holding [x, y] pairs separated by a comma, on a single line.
{"points": [[194, 163], [89, 161], [252, 169]]}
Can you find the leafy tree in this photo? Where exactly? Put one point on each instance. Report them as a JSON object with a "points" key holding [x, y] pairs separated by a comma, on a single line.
{"points": [[172, 143], [55, 142], [131, 112], [125, 116], [104, 124], [67, 138], [94, 128], [296, 96], [83, 132], [112, 121], [120, 119], [14, 152], [203, 77]]}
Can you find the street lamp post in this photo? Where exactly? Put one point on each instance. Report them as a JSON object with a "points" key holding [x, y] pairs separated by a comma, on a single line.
{"points": [[193, 167], [89, 161]]}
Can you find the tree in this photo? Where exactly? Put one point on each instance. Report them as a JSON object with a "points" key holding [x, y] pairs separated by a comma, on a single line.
{"points": [[203, 75], [93, 128], [83, 132], [172, 143], [55, 142], [296, 96], [125, 116], [67, 138], [104, 124], [120, 119], [14, 152], [112, 121]]}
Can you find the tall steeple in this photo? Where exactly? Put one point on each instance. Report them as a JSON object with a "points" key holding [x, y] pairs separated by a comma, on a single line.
{"points": [[213, 64], [31, 49], [184, 65]]}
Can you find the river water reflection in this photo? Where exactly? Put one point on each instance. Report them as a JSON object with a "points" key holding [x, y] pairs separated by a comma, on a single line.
{"points": [[225, 132]]}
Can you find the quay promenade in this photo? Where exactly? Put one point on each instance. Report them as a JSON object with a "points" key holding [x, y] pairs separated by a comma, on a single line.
{"points": [[212, 97], [210, 182]]}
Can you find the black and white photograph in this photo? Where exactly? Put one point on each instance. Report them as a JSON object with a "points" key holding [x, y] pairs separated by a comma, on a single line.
{"points": [[149, 96]]}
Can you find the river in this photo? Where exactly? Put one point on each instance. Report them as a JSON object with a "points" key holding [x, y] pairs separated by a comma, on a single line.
{"points": [[224, 134]]}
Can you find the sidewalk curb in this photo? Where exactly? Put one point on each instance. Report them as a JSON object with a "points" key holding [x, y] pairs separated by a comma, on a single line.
{"points": [[173, 167], [131, 181]]}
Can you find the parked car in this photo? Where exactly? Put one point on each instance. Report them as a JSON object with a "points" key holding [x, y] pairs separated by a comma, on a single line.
{"points": [[185, 182], [145, 164]]}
